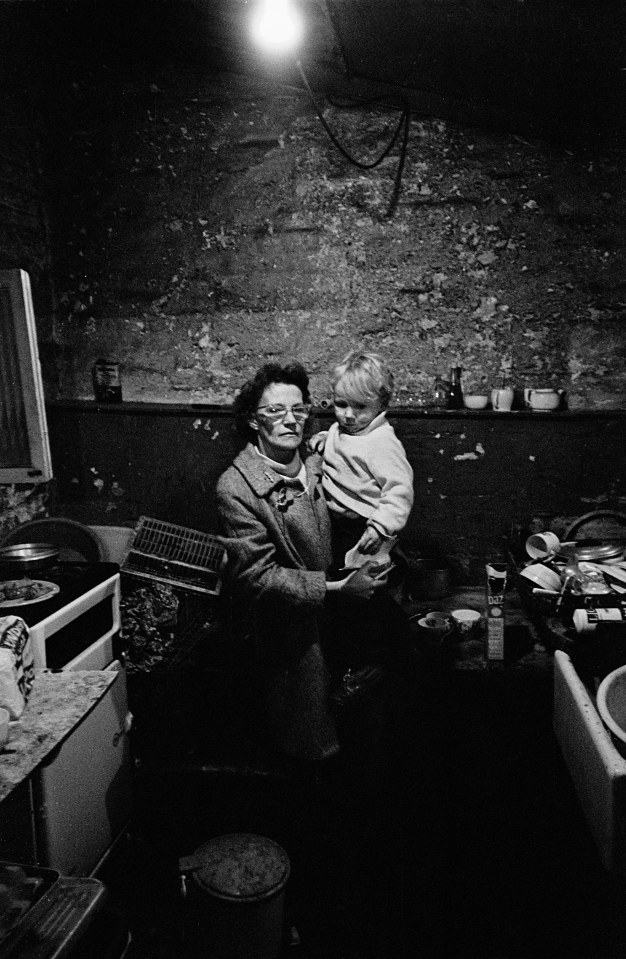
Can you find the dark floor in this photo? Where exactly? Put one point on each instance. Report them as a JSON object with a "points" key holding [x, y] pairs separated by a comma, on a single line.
{"points": [[469, 844]]}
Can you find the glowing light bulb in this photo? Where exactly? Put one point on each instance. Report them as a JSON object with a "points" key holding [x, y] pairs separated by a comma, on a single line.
{"points": [[276, 27]]}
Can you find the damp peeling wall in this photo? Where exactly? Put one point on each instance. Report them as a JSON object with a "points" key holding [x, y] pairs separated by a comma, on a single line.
{"points": [[201, 219], [194, 219]]}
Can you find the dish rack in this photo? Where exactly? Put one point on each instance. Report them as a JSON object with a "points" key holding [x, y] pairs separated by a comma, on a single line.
{"points": [[179, 557]]}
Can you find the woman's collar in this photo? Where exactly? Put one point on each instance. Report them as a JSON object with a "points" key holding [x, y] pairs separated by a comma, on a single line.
{"points": [[292, 470]]}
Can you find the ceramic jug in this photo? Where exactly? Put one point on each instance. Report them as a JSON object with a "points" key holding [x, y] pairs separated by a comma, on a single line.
{"points": [[502, 398], [544, 400]]}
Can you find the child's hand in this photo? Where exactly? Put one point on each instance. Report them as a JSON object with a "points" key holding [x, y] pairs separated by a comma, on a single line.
{"points": [[317, 442], [370, 541]]}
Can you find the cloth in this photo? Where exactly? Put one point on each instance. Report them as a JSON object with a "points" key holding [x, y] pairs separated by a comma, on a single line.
{"points": [[369, 475], [17, 670], [278, 545]]}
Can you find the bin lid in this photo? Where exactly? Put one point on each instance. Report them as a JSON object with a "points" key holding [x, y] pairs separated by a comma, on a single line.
{"points": [[240, 867]]}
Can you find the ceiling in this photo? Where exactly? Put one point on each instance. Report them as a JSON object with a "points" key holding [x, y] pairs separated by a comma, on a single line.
{"points": [[545, 66], [555, 68]]}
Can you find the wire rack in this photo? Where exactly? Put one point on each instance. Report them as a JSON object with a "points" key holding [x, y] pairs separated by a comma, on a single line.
{"points": [[175, 555]]}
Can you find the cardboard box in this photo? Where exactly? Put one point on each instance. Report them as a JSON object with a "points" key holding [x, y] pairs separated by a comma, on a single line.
{"points": [[496, 573]]}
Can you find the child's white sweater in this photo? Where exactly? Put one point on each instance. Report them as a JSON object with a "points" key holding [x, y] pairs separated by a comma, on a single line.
{"points": [[369, 474]]}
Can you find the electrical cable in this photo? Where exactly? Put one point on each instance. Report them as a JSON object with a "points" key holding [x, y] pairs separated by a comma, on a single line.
{"points": [[403, 121], [397, 183]]}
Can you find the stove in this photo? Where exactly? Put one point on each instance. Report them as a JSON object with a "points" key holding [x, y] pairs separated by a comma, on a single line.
{"points": [[75, 628]]}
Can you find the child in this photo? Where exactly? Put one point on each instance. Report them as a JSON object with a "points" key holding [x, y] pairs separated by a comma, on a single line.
{"points": [[367, 478]]}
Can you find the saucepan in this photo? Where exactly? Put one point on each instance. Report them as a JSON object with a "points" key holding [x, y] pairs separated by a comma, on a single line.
{"points": [[27, 557], [429, 578]]}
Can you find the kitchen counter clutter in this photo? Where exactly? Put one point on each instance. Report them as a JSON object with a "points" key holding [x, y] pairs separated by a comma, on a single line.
{"points": [[524, 649], [57, 703]]}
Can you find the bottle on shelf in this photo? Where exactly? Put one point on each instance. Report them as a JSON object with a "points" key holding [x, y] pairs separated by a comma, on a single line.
{"points": [[455, 391], [107, 384], [440, 393]]}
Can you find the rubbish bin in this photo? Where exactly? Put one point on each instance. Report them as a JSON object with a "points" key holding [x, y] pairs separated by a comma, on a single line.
{"points": [[235, 893]]}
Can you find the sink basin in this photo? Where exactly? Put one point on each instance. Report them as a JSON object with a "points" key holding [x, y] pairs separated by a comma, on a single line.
{"points": [[597, 767], [611, 703]]}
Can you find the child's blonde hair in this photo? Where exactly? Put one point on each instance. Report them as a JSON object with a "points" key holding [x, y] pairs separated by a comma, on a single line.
{"points": [[365, 375]]}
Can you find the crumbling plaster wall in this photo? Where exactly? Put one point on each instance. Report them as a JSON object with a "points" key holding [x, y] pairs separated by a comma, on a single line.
{"points": [[24, 241], [203, 222], [192, 222]]}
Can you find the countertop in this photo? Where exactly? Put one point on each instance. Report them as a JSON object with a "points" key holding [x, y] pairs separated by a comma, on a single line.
{"points": [[524, 650], [56, 704]]}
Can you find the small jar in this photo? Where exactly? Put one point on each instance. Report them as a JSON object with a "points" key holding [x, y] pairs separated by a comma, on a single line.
{"points": [[107, 383], [441, 391]]}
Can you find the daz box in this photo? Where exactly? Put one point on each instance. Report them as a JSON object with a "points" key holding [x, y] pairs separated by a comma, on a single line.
{"points": [[496, 585]]}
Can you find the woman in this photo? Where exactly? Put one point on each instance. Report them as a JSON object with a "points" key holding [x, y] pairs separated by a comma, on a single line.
{"points": [[277, 536]]}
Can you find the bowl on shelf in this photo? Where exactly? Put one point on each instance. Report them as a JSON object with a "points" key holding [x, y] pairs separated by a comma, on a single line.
{"points": [[475, 401]]}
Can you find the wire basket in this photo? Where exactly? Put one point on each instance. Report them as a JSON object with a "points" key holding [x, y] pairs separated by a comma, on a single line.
{"points": [[175, 555]]}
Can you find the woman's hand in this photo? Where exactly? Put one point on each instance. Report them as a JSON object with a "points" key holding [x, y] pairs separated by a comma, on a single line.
{"points": [[317, 442], [360, 584], [370, 541]]}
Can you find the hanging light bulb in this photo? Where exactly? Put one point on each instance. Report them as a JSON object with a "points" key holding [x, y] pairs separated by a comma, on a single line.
{"points": [[277, 27]]}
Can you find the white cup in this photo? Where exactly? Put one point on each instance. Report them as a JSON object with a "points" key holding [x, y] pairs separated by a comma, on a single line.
{"points": [[543, 399], [465, 620], [4, 726], [502, 399], [436, 625], [542, 545]]}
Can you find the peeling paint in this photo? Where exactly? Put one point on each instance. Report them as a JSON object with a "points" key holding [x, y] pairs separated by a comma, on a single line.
{"points": [[480, 451]]}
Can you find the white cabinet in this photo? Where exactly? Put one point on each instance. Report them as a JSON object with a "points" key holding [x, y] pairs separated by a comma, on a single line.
{"points": [[82, 791]]}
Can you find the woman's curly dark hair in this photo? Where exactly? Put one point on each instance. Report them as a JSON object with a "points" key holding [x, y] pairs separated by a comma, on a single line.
{"points": [[247, 400]]}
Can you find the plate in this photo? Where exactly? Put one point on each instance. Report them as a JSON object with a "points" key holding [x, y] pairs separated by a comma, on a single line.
{"points": [[46, 591]]}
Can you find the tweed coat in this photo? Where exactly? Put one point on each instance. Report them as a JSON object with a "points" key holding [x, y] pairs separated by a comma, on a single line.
{"points": [[279, 548]]}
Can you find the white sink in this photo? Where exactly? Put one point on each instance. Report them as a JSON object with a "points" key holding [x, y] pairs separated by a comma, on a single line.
{"points": [[611, 703], [597, 769]]}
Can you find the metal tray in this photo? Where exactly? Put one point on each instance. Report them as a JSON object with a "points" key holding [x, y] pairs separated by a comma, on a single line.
{"points": [[26, 886]]}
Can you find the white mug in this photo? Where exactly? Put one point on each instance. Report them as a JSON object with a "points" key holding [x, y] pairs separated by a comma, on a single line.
{"points": [[502, 399], [543, 399], [465, 620], [542, 545]]}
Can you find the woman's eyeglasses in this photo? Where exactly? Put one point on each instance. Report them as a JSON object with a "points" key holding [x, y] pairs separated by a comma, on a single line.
{"points": [[277, 413]]}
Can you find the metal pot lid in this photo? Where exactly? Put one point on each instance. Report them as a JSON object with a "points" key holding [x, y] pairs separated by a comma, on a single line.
{"points": [[590, 550], [28, 552], [240, 867]]}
